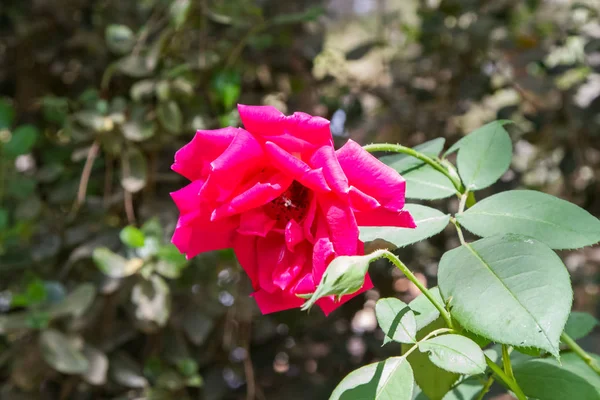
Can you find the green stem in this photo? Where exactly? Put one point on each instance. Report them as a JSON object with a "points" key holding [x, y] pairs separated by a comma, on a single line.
{"points": [[428, 336], [407, 272], [485, 388], [568, 340], [506, 362], [397, 148], [511, 383]]}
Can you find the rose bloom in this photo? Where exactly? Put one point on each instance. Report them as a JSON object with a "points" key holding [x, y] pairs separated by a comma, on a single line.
{"points": [[284, 199]]}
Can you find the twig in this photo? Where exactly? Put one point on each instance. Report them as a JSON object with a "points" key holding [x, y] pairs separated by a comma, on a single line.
{"points": [[128, 199], [85, 175]]}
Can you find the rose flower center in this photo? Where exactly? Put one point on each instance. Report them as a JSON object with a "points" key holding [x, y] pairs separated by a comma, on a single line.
{"points": [[291, 204]]}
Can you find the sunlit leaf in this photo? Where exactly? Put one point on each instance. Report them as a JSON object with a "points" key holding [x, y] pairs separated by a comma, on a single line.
{"points": [[527, 296]]}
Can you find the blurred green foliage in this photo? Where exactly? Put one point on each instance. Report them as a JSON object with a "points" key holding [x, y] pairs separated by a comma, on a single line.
{"points": [[96, 96]]}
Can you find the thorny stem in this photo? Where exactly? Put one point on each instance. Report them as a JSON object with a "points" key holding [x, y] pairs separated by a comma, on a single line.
{"points": [[407, 272], [568, 340], [397, 148], [511, 383], [486, 388]]}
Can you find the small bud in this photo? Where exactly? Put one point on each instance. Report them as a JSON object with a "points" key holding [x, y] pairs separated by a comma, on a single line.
{"points": [[344, 275]]}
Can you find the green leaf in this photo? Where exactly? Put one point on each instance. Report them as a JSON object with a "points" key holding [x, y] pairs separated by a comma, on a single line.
{"points": [[396, 320], [547, 379], [456, 146], [425, 183], [455, 353], [510, 289], [97, 366], [132, 237], [425, 312], [133, 170], [434, 381], [467, 389], [555, 222], [119, 38], [22, 140], [170, 261], [142, 89], [429, 222], [391, 379], [135, 66], [226, 84], [153, 300], [114, 265], [485, 156], [61, 354], [170, 116], [138, 131], [76, 303], [7, 114], [311, 14], [403, 162], [580, 324]]}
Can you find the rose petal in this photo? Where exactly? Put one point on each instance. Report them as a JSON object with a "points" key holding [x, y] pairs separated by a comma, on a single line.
{"points": [[294, 234], [203, 235], [361, 201], [371, 176], [270, 252], [298, 169], [265, 187], [187, 199], [325, 158], [342, 227], [192, 160], [245, 251], [243, 158], [383, 217], [255, 222]]}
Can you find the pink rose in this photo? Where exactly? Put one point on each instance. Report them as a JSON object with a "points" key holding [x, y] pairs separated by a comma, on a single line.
{"points": [[284, 199]]}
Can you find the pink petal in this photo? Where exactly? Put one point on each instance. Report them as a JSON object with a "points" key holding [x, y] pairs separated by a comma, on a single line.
{"points": [[187, 199], [371, 176], [263, 188], [288, 269], [255, 222], [203, 235], [243, 158], [268, 122], [342, 227], [245, 251], [310, 128], [324, 157], [361, 201], [298, 169], [383, 217], [192, 160], [307, 224], [270, 251], [293, 234], [262, 120]]}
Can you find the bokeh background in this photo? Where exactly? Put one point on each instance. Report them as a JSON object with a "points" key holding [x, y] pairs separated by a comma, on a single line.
{"points": [[97, 95]]}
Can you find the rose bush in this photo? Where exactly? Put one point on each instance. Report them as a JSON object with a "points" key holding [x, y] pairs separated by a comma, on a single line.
{"points": [[284, 199]]}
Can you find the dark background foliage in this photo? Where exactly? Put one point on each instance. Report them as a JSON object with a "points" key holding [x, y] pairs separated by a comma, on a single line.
{"points": [[97, 95]]}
